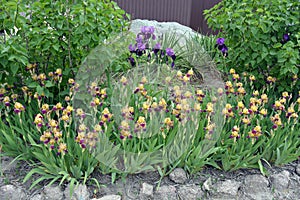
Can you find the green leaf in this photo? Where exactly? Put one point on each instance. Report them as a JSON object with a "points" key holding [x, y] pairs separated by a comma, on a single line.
{"points": [[49, 84], [261, 168], [85, 40], [39, 90], [56, 47], [32, 85], [274, 39], [14, 69], [19, 49], [44, 177], [81, 19], [277, 45], [31, 172], [23, 60], [113, 177], [5, 50], [65, 176]]}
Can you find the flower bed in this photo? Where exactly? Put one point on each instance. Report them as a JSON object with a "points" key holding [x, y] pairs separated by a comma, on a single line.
{"points": [[148, 118]]}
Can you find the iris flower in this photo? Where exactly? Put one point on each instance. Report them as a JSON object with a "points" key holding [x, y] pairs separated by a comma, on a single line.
{"points": [[156, 48], [220, 41], [285, 38], [221, 46]]}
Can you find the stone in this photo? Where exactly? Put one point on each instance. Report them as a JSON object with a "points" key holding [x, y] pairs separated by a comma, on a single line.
{"points": [[207, 185], [281, 180], [227, 188], [161, 28], [11, 192], [146, 190], [222, 198], [257, 187], [166, 192], [178, 175], [7, 164], [37, 197], [298, 169], [53, 193], [190, 192], [80, 193], [109, 197]]}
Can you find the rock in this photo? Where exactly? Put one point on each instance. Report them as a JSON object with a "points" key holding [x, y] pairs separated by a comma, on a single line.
{"points": [[207, 184], [80, 193], [7, 165], [190, 192], [146, 190], [298, 169], [178, 176], [166, 192], [53, 193], [11, 192], [281, 180], [163, 28], [280, 185], [228, 189], [37, 197], [256, 187], [109, 197]]}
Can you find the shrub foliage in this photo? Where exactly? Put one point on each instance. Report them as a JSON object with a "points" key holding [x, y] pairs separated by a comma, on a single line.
{"points": [[263, 36], [53, 34]]}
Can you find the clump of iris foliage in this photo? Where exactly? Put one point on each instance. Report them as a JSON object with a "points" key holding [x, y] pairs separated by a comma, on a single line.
{"points": [[133, 122]]}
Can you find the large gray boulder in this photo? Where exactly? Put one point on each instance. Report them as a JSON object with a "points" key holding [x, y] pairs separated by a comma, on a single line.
{"points": [[12, 192], [163, 28]]}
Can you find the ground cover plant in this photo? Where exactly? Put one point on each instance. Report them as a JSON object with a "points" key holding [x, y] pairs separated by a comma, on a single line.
{"points": [[133, 106]]}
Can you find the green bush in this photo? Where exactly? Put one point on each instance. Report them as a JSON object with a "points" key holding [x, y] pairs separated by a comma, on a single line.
{"points": [[263, 37], [53, 35]]}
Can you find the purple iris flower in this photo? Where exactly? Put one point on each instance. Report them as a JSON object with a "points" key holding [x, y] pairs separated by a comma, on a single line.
{"points": [[132, 48], [147, 36], [147, 32], [156, 48], [147, 29], [139, 39], [285, 38], [151, 29], [220, 41], [221, 46], [132, 61], [173, 64], [162, 54], [170, 52], [141, 46], [139, 52], [224, 49]]}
